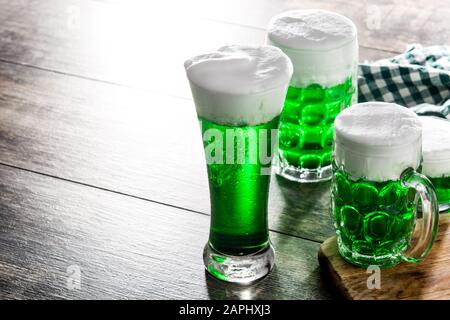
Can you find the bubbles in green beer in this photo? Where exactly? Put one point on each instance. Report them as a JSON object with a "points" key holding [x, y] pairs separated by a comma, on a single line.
{"points": [[289, 135], [351, 221], [343, 189], [442, 186], [292, 157], [326, 159], [291, 113], [327, 138], [393, 199], [373, 219], [310, 161], [239, 190], [311, 140], [312, 115], [292, 94], [365, 196], [313, 93], [337, 92], [377, 226], [332, 109], [306, 132]]}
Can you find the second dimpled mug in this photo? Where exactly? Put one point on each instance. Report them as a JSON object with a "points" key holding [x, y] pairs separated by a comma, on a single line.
{"points": [[436, 157], [376, 186], [323, 48]]}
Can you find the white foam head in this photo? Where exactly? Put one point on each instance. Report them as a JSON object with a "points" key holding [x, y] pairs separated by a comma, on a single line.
{"points": [[239, 84], [322, 45], [377, 140], [435, 147]]}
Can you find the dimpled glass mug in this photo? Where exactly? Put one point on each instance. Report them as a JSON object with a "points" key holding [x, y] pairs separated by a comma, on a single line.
{"points": [[376, 186], [436, 157]]}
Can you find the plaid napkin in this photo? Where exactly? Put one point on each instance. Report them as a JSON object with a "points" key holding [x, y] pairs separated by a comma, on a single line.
{"points": [[418, 78]]}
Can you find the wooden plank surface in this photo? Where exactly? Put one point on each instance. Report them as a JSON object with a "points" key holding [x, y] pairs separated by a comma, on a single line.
{"points": [[125, 248], [129, 141], [82, 37], [428, 280], [388, 25]]}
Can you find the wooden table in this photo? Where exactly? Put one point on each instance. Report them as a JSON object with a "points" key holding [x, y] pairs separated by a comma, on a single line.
{"points": [[102, 177]]}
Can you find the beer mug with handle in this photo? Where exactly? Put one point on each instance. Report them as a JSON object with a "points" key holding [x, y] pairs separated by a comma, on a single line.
{"points": [[377, 185]]}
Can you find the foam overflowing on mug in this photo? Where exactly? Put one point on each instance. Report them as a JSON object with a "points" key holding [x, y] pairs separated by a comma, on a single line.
{"points": [[377, 140], [436, 147], [239, 84], [322, 45]]}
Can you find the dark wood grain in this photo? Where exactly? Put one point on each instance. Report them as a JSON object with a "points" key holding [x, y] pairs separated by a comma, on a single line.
{"points": [[130, 141], [126, 248], [428, 280], [148, 47]]}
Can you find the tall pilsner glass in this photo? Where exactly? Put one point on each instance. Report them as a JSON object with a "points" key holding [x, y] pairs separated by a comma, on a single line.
{"points": [[323, 48], [239, 92]]}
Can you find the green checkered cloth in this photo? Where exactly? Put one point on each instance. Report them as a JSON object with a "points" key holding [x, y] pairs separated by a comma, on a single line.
{"points": [[418, 79]]}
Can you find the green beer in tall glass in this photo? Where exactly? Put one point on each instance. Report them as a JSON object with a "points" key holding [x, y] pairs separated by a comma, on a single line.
{"points": [[436, 157], [324, 50], [239, 93], [376, 186], [239, 188]]}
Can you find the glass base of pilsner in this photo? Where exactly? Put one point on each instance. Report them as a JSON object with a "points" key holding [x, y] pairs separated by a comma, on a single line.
{"points": [[364, 261], [302, 175], [239, 269]]}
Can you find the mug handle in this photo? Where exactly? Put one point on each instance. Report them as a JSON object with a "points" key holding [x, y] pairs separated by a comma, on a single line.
{"points": [[430, 210]]}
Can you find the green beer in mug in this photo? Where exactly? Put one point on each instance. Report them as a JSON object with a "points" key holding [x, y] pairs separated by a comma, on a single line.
{"points": [[442, 186], [323, 48], [239, 93], [436, 157], [376, 186]]}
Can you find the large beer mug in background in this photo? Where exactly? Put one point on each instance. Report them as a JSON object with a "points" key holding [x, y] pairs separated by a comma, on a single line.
{"points": [[376, 186], [324, 51], [239, 92]]}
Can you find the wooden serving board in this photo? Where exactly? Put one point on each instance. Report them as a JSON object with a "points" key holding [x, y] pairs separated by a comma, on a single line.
{"points": [[427, 280]]}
